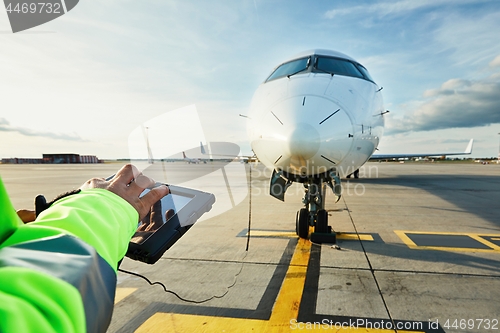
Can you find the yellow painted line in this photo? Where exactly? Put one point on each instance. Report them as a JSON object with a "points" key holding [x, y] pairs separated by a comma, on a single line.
{"points": [[495, 239], [447, 233], [283, 316], [454, 249], [484, 241], [406, 239], [264, 233], [172, 322], [354, 237], [478, 237], [343, 236], [288, 300], [121, 293]]}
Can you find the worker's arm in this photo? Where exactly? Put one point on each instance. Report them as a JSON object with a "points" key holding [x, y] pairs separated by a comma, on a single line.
{"points": [[58, 274]]}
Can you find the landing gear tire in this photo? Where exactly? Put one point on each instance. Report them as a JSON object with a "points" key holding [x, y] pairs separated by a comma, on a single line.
{"points": [[321, 221], [302, 223]]}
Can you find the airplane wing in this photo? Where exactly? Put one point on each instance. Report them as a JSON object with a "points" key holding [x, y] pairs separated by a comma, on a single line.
{"points": [[467, 151]]}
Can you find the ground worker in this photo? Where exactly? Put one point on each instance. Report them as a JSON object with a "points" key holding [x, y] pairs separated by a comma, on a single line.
{"points": [[58, 273]]}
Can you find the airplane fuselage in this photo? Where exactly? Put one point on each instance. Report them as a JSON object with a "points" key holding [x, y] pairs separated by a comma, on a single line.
{"points": [[304, 121]]}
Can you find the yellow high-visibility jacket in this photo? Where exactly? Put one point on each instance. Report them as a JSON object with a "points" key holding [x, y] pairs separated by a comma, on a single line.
{"points": [[58, 273]]}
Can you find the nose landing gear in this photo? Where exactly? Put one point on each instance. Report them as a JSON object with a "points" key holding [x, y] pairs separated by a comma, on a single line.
{"points": [[320, 223], [314, 213]]}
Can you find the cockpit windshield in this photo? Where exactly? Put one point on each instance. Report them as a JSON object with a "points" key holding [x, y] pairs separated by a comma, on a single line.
{"points": [[365, 73], [322, 64], [337, 66], [341, 67], [290, 68]]}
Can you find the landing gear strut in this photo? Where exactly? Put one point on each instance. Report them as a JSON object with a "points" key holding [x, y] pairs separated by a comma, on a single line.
{"points": [[314, 213]]}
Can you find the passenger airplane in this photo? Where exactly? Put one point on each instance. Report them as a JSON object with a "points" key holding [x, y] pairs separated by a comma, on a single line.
{"points": [[190, 160], [195, 160], [318, 117]]}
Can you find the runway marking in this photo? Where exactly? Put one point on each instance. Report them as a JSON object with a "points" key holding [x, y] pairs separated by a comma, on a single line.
{"points": [[284, 313], [292, 234], [172, 322], [121, 293], [264, 233], [285, 308], [363, 237], [476, 242], [287, 304]]}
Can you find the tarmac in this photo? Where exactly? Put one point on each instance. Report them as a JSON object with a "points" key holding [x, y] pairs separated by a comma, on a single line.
{"points": [[418, 250]]}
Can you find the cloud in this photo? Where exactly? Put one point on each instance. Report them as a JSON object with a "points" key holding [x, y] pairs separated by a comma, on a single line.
{"points": [[381, 9], [495, 62], [395, 8], [456, 104], [450, 87], [6, 127]]}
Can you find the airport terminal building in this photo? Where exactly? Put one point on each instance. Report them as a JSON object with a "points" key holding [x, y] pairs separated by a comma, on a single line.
{"points": [[54, 159]]}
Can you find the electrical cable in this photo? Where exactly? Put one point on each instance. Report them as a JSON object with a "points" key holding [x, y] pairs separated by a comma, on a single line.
{"points": [[180, 297], [249, 207]]}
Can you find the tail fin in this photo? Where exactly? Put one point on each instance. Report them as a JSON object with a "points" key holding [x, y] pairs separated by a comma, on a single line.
{"points": [[202, 149], [468, 150], [184, 154]]}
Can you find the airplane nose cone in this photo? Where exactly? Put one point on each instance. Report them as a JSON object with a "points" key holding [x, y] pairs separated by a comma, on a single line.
{"points": [[303, 142]]}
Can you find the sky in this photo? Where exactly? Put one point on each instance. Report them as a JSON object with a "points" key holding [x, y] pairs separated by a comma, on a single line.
{"points": [[85, 81]]}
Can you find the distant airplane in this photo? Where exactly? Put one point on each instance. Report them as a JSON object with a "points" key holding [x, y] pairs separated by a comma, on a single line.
{"points": [[190, 160], [318, 117], [467, 151], [195, 160]]}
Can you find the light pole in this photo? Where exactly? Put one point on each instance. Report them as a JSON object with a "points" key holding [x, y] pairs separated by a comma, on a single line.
{"points": [[498, 161], [150, 153]]}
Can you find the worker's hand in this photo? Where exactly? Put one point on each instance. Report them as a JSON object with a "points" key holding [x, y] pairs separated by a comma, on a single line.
{"points": [[151, 222], [154, 220], [129, 183], [26, 215]]}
